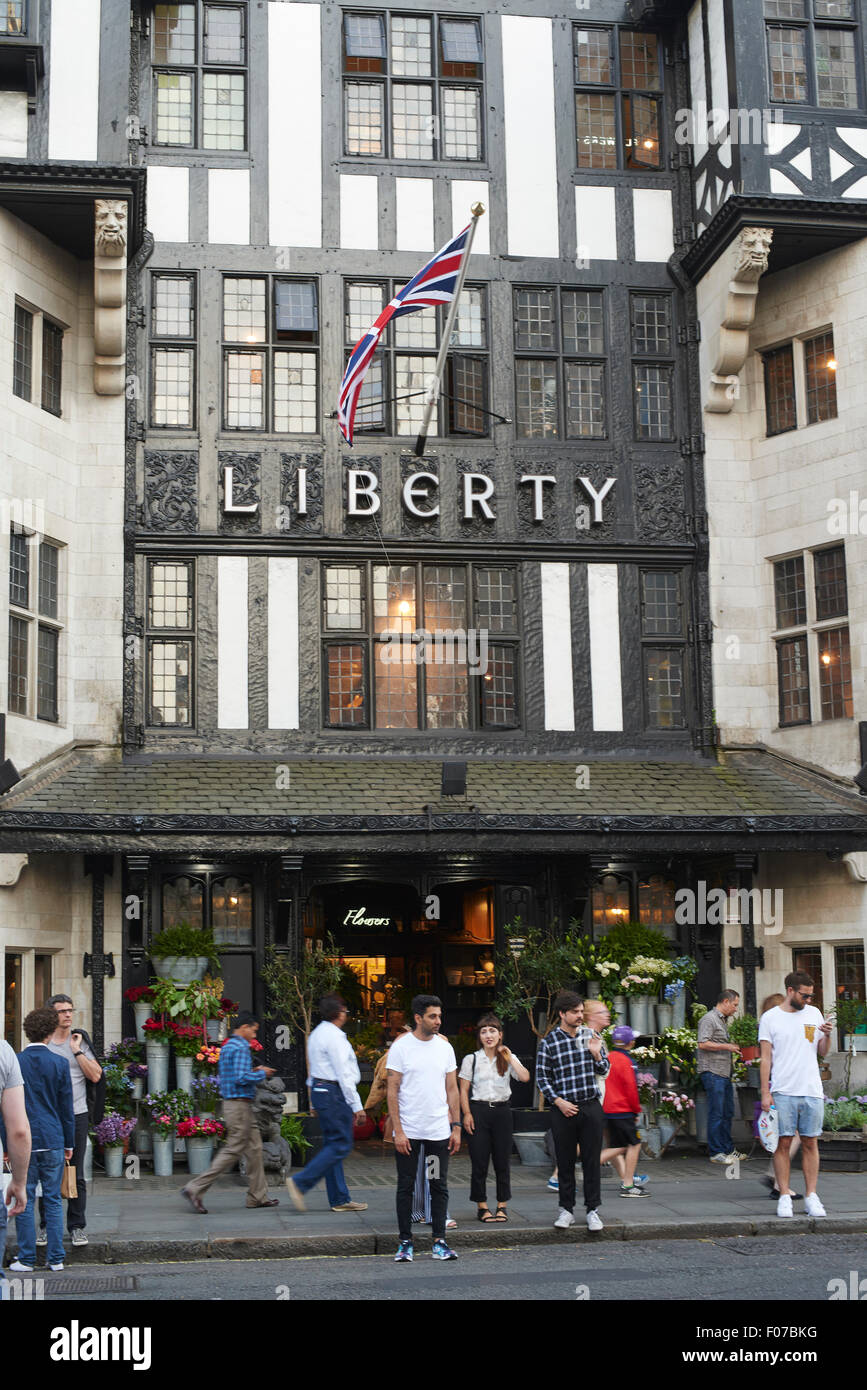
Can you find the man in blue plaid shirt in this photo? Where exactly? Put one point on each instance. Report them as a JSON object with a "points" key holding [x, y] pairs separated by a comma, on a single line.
{"points": [[567, 1065]]}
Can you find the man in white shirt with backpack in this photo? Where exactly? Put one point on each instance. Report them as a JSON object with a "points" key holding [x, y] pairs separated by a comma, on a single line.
{"points": [[792, 1037]]}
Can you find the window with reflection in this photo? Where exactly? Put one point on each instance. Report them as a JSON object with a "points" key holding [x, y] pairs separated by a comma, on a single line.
{"points": [[232, 911], [182, 901], [610, 902]]}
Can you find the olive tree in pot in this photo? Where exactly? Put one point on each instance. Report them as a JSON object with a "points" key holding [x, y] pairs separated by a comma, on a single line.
{"points": [[293, 994]]}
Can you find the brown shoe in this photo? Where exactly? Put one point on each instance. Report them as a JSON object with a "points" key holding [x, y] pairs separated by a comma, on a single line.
{"points": [[297, 1197], [194, 1202], [351, 1206], [272, 1202]]}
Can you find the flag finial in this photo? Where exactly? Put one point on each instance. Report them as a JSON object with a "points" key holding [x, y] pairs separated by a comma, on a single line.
{"points": [[478, 209]]}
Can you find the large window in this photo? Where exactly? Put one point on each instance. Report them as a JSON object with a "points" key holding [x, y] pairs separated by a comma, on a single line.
{"points": [[822, 643], [173, 351], [420, 646], [412, 86], [170, 643], [392, 398], [800, 383], [663, 649], [272, 381], [199, 57], [560, 364], [34, 627], [618, 82], [812, 48], [22, 359]]}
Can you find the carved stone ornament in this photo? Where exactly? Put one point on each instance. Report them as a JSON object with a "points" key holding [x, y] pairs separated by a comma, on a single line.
{"points": [[750, 255], [109, 296], [10, 868]]}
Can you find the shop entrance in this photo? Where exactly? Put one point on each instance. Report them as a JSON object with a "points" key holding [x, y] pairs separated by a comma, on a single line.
{"points": [[394, 944]]}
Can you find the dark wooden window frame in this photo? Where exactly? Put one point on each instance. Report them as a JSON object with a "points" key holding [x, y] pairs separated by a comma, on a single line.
{"points": [[621, 95], [197, 71], [155, 634], [809, 23], [173, 342], [266, 349], [673, 641], [560, 359], [39, 703]]}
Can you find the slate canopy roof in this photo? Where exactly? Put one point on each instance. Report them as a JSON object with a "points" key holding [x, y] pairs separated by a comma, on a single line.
{"points": [[93, 798]]}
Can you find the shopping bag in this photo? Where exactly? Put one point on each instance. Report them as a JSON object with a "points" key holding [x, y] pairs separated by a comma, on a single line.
{"points": [[769, 1129], [69, 1182]]}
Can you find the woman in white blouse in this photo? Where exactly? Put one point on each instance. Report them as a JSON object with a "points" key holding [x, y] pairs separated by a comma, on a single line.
{"points": [[486, 1104]]}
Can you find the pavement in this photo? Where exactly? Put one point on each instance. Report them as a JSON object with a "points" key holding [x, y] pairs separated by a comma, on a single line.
{"points": [[146, 1220]]}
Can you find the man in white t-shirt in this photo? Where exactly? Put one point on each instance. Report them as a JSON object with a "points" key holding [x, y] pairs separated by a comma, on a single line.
{"points": [[425, 1109], [793, 1036]]}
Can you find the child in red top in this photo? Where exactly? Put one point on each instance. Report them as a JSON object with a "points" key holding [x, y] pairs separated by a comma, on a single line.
{"points": [[621, 1106]]}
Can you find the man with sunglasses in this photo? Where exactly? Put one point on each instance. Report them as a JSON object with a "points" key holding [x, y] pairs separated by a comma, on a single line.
{"points": [[793, 1036]]}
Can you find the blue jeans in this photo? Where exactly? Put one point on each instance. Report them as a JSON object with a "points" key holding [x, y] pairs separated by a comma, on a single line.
{"points": [[720, 1110], [46, 1167], [335, 1119]]}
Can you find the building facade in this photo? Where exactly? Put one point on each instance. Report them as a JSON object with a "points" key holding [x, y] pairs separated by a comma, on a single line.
{"points": [[404, 701]]}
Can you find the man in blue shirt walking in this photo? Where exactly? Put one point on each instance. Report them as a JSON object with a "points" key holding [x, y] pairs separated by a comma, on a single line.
{"points": [[48, 1098], [238, 1082]]}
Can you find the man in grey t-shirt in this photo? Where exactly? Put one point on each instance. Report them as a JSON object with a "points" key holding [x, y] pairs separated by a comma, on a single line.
{"points": [[16, 1140], [67, 1042], [714, 1063]]}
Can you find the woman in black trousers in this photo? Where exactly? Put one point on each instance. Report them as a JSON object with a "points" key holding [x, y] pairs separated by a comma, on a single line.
{"points": [[486, 1083]]}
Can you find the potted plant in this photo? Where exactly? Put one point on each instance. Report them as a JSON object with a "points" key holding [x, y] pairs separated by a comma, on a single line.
{"points": [[140, 997], [294, 994], [843, 1141], [647, 1094], [292, 1130], [137, 1073], [186, 1041], [200, 1133], [205, 1093], [649, 1059], [744, 1032], [158, 1032], [112, 1133], [164, 1111], [183, 953], [683, 972], [637, 989], [672, 1111], [680, 1046]]}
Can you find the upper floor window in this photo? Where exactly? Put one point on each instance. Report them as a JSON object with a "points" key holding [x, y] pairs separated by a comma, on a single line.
{"points": [[420, 646], [199, 56], [663, 649], [618, 85], [173, 351], [818, 654], [560, 364], [392, 399], [273, 384], [653, 377], [812, 52], [34, 626], [412, 86], [800, 383], [170, 639], [37, 338], [13, 17]]}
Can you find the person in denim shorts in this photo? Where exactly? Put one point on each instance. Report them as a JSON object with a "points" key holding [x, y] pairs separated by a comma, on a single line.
{"points": [[793, 1036]]}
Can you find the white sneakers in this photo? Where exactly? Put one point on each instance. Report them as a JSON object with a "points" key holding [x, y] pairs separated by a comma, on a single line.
{"points": [[719, 1158], [812, 1205], [564, 1220], [594, 1221], [784, 1206]]}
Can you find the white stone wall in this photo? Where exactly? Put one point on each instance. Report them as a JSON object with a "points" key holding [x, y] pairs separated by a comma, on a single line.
{"points": [[68, 472], [771, 498], [48, 911]]}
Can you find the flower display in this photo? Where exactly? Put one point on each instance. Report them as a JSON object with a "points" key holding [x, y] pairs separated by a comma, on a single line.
{"points": [[684, 968], [186, 1039], [166, 1108], [646, 1087], [205, 1091], [200, 1127], [136, 1071], [158, 1029], [673, 1104], [637, 984], [680, 1045], [648, 1055], [138, 993], [113, 1130], [654, 966], [208, 1054], [673, 991]]}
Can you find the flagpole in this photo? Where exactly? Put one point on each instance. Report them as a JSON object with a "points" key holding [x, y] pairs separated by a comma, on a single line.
{"points": [[477, 210]]}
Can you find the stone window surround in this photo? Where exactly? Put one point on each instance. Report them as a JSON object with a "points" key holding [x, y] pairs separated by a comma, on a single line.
{"points": [[812, 630], [798, 343], [35, 619], [37, 357]]}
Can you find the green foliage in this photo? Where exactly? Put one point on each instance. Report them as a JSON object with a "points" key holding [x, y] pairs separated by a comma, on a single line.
{"points": [[744, 1030], [680, 1045], [532, 980], [684, 968], [294, 994], [185, 940], [851, 1014], [630, 939], [350, 987], [118, 1089], [177, 1105], [292, 1130], [844, 1113]]}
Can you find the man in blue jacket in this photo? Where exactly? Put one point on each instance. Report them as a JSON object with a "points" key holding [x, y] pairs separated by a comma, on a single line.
{"points": [[48, 1098]]}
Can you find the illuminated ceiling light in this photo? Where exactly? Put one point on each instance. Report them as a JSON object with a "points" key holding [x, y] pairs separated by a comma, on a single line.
{"points": [[826, 658], [404, 609], [831, 364]]}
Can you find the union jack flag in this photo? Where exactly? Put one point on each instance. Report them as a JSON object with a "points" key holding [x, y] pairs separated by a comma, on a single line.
{"points": [[434, 284]]}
